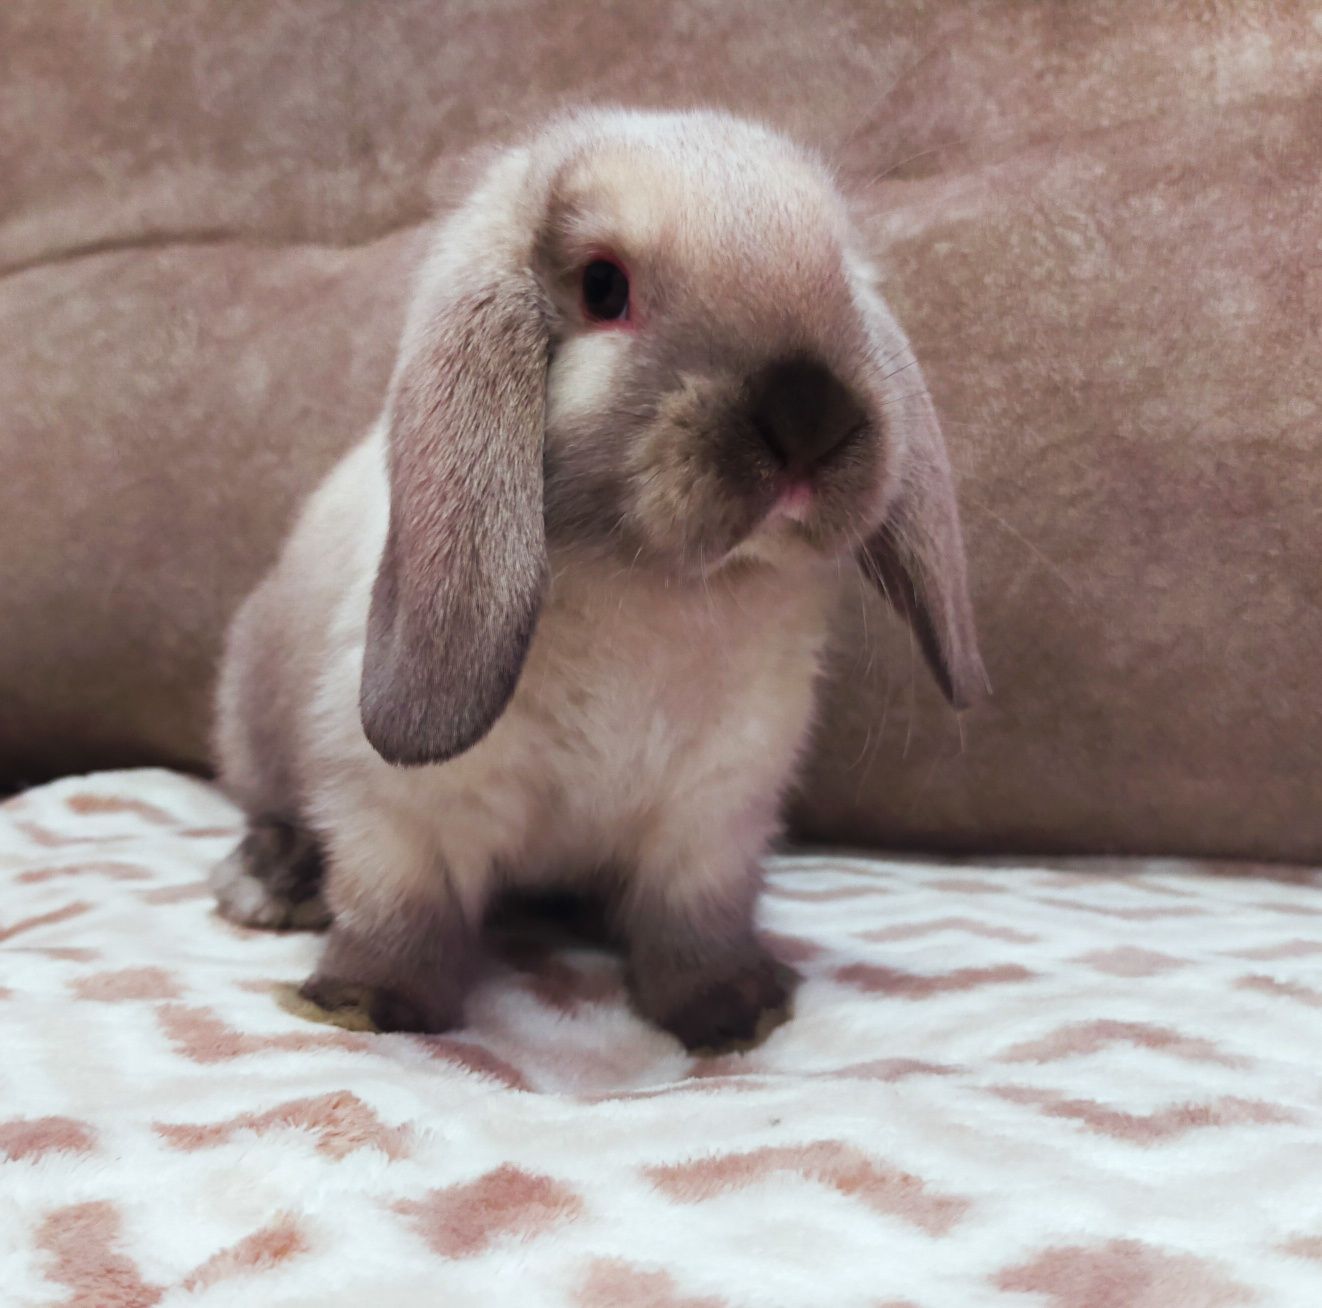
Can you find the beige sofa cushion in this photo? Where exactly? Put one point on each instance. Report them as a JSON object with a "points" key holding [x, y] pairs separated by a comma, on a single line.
{"points": [[1101, 224]]}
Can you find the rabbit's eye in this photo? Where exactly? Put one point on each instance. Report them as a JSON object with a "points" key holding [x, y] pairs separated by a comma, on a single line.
{"points": [[605, 291]]}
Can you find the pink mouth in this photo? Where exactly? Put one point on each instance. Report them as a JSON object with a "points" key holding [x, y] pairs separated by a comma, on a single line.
{"points": [[794, 501]]}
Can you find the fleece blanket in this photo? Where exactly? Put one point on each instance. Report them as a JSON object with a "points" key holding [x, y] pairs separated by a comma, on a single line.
{"points": [[1068, 1086]]}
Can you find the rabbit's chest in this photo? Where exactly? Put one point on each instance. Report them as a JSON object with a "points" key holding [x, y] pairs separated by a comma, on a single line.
{"points": [[646, 717], [639, 705]]}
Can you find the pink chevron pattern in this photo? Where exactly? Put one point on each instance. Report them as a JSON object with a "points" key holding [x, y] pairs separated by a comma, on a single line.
{"points": [[1020, 1086]]}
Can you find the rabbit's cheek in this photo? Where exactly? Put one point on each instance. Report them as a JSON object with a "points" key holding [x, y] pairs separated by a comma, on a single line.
{"points": [[848, 496], [583, 380], [586, 491], [690, 498]]}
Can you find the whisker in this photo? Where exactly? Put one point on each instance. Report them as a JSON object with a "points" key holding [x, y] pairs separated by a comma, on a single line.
{"points": [[1043, 558], [895, 372], [955, 143], [890, 358], [920, 394], [706, 585], [868, 119]]}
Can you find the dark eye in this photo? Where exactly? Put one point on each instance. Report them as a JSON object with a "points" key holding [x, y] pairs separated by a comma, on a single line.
{"points": [[605, 291]]}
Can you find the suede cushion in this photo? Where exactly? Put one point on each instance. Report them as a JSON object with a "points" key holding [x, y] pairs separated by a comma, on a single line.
{"points": [[1100, 224]]}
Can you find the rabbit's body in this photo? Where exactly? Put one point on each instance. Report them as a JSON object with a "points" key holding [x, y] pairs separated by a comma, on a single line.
{"points": [[558, 619], [621, 748]]}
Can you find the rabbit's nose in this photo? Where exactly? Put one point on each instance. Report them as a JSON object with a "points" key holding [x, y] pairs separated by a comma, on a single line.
{"points": [[802, 412]]}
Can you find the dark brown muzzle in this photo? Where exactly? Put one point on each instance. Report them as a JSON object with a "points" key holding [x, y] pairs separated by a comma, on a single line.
{"points": [[802, 412]]}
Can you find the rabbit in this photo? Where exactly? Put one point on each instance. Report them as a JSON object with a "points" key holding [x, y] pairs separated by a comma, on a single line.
{"points": [[557, 621]]}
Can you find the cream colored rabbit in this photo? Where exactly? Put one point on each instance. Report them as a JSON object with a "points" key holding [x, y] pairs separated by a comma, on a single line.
{"points": [[557, 620]]}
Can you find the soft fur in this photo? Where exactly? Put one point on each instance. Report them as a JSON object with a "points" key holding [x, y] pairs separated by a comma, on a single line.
{"points": [[558, 618]]}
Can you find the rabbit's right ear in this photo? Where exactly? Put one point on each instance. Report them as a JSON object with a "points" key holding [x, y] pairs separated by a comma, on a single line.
{"points": [[464, 568]]}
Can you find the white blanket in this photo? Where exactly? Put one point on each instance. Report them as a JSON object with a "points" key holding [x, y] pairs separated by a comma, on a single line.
{"points": [[1030, 1086]]}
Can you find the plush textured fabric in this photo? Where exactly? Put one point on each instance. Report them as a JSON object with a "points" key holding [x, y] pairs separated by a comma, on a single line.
{"points": [[1020, 1086], [1099, 222]]}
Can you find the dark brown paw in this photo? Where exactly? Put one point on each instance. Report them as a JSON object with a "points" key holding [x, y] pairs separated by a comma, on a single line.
{"points": [[273, 879], [384, 1008], [733, 1010]]}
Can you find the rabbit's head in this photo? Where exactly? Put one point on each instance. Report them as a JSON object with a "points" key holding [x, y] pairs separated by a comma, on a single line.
{"points": [[652, 335]]}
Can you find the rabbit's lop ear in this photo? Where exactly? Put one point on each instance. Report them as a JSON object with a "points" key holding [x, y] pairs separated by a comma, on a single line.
{"points": [[462, 575], [916, 557]]}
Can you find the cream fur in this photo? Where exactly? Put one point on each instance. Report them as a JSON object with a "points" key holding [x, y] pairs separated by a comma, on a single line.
{"points": [[640, 742], [655, 725]]}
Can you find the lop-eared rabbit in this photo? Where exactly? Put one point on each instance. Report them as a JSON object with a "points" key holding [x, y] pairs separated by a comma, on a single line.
{"points": [[557, 620]]}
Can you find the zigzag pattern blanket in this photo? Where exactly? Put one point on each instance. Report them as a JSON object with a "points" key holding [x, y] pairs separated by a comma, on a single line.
{"points": [[1022, 1085]]}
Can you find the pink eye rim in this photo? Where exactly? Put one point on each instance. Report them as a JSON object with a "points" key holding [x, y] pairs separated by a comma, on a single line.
{"points": [[605, 292]]}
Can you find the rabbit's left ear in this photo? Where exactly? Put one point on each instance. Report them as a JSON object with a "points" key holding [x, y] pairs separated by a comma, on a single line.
{"points": [[461, 579], [916, 557]]}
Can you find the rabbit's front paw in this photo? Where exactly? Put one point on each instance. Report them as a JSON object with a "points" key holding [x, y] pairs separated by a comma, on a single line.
{"points": [[722, 1006], [272, 879]]}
